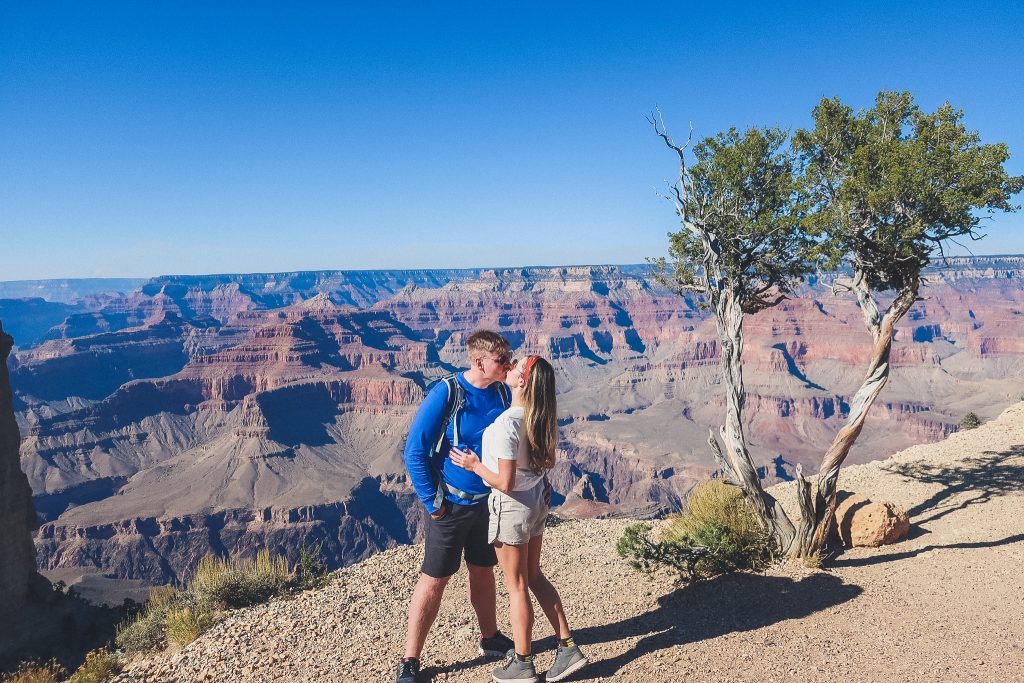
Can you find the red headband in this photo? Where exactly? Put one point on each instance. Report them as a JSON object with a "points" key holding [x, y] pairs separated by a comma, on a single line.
{"points": [[530, 360]]}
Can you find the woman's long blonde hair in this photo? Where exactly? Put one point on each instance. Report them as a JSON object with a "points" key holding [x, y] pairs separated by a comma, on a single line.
{"points": [[541, 418]]}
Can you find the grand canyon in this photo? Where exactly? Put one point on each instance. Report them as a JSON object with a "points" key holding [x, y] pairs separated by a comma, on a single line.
{"points": [[187, 415]]}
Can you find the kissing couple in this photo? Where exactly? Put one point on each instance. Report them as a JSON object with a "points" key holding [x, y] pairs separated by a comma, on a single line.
{"points": [[478, 454]]}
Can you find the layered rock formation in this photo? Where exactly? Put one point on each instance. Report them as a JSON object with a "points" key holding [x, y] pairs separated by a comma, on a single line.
{"points": [[286, 436], [280, 410], [17, 515]]}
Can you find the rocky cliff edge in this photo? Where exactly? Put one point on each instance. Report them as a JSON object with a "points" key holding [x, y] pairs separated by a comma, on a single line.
{"points": [[17, 513]]}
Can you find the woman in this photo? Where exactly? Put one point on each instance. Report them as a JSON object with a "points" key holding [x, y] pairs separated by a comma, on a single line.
{"points": [[518, 450]]}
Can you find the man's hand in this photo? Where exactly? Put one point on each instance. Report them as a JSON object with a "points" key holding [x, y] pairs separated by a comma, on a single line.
{"points": [[440, 512]]}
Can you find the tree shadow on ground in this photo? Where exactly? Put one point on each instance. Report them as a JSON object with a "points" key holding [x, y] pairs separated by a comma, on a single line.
{"points": [[974, 481], [729, 604], [708, 609], [985, 477], [879, 559]]}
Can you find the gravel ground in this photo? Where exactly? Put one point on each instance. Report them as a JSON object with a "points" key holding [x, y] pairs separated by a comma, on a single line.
{"points": [[944, 605]]}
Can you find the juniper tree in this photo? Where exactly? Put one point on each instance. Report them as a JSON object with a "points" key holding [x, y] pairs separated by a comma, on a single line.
{"points": [[890, 187], [742, 249]]}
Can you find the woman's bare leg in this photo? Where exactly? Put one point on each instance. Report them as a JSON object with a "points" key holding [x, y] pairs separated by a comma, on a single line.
{"points": [[513, 560], [545, 592]]}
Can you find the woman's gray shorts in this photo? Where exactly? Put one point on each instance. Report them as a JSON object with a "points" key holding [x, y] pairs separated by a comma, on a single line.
{"points": [[518, 516]]}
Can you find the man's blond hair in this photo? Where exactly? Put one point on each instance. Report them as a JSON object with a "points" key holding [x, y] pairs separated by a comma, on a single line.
{"points": [[485, 341]]}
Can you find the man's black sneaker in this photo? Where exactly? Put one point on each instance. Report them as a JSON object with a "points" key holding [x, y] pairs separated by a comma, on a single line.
{"points": [[496, 646], [408, 671]]}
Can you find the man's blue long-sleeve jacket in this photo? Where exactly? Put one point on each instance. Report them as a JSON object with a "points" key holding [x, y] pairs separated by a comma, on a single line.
{"points": [[482, 407]]}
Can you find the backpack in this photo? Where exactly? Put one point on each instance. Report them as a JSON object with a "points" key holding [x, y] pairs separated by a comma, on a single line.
{"points": [[455, 403]]}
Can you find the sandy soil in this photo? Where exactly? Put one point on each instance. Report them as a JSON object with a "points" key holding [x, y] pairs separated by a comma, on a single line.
{"points": [[944, 605]]}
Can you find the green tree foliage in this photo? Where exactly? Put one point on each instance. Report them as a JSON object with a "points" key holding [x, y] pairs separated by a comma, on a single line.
{"points": [[741, 220], [889, 187], [882, 190], [970, 421], [743, 246]]}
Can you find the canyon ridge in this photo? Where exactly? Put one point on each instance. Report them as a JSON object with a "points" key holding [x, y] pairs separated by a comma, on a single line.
{"points": [[230, 413]]}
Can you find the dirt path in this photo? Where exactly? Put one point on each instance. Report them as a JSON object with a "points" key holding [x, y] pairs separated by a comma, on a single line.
{"points": [[945, 605]]}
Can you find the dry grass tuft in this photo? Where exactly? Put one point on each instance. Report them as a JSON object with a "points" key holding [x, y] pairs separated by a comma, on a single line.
{"points": [[147, 630], [36, 672], [713, 503], [240, 583], [100, 666], [181, 616], [812, 561], [188, 623]]}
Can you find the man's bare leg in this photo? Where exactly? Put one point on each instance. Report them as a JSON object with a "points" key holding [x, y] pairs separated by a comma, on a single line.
{"points": [[484, 598], [426, 600]]}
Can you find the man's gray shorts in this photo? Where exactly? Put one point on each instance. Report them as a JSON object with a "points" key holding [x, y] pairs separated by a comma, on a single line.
{"points": [[517, 517]]}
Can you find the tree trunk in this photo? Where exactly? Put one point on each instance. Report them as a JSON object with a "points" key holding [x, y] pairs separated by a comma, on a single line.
{"points": [[802, 543], [813, 537], [729, 317]]}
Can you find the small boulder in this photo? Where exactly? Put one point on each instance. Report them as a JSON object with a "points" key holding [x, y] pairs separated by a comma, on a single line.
{"points": [[864, 523]]}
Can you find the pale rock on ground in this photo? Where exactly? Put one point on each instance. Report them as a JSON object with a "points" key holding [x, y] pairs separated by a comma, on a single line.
{"points": [[864, 523], [944, 605]]}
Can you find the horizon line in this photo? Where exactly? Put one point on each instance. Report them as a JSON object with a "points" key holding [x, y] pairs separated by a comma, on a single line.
{"points": [[407, 270]]}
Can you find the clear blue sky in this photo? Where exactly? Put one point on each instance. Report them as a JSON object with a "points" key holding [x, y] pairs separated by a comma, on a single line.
{"points": [[173, 137]]}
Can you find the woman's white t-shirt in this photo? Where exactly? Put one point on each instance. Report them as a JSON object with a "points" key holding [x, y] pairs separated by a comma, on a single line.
{"points": [[503, 440]]}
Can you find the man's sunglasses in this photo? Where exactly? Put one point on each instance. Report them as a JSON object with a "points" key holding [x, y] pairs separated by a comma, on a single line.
{"points": [[503, 359]]}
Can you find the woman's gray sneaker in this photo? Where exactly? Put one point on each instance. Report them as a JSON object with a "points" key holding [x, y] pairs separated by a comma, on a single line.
{"points": [[496, 646], [515, 669], [568, 660]]}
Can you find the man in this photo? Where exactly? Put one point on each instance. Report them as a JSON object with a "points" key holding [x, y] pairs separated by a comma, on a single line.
{"points": [[456, 498]]}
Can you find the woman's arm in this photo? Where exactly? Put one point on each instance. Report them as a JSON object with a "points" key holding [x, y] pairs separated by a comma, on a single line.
{"points": [[504, 479]]}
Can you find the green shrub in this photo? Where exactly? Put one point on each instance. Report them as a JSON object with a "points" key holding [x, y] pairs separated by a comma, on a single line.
{"points": [[714, 534], [970, 421], [99, 667], [35, 672], [185, 624], [180, 616], [311, 570], [239, 583], [647, 556], [147, 630]]}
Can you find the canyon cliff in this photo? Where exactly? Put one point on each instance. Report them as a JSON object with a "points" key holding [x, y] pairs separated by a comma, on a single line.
{"points": [[17, 514], [231, 413]]}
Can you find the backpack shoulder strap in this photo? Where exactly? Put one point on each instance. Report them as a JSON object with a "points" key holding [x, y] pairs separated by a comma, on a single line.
{"points": [[506, 395], [455, 402]]}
